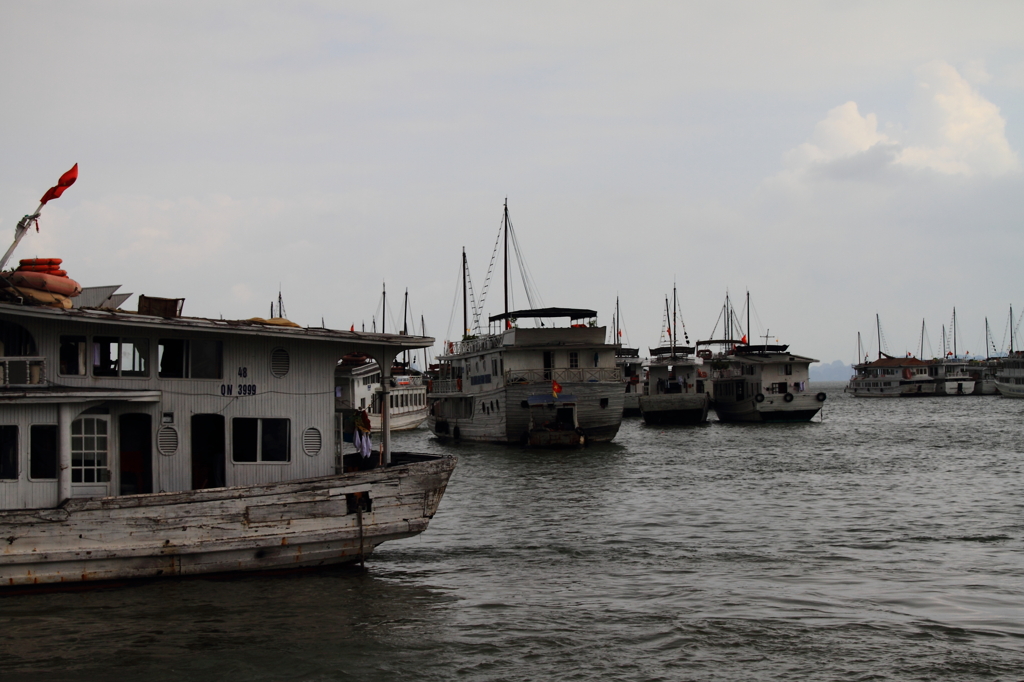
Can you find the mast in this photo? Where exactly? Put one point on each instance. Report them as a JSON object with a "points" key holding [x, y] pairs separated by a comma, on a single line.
{"points": [[668, 320], [749, 337], [675, 307], [423, 330], [878, 328], [384, 308], [1011, 329], [954, 333], [945, 342], [617, 339], [465, 297], [920, 353], [405, 324], [858, 348], [506, 262]]}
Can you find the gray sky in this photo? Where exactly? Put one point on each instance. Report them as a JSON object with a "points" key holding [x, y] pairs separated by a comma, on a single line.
{"points": [[837, 159]]}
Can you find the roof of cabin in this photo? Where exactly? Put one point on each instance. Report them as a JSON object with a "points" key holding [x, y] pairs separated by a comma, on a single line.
{"points": [[571, 313], [202, 324]]}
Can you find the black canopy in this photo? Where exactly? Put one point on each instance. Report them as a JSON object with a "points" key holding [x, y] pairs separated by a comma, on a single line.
{"points": [[571, 313]]}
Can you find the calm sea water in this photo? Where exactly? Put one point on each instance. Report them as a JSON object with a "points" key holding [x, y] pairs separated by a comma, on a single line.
{"points": [[882, 543]]}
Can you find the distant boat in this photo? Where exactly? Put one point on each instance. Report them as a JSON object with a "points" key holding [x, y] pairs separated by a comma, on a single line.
{"points": [[674, 392], [761, 383], [544, 386], [1010, 378]]}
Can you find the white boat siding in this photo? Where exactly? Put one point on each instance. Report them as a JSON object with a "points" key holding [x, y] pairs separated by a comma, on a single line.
{"points": [[764, 384], [1010, 376], [100, 460], [486, 384]]}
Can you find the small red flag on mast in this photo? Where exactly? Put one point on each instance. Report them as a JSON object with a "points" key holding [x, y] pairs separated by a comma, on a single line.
{"points": [[556, 388], [65, 181]]}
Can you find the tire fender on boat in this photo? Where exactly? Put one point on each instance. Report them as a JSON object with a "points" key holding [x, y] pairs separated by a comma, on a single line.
{"points": [[788, 397], [821, 397], [759, 397]]}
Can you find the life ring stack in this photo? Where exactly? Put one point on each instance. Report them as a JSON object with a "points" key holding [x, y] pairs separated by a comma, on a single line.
{"points": [[43, 282]]}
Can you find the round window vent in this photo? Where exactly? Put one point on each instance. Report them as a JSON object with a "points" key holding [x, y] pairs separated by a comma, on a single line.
{"points": [[311, 441], [167, 440], [280, 363]]}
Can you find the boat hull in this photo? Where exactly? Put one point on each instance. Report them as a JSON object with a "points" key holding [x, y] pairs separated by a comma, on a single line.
{"points": [[312, 522], [1010, 390], [773, 409], [501, 415], [675, 408]]}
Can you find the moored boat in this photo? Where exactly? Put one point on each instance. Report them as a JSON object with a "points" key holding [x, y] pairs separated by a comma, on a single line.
{"points": [[148, 444]]}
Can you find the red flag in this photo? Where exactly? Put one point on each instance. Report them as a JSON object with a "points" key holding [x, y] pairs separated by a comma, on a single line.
{"points": [[556, 388], [620, 333], [352, 328], [65, 181], [744, 339]]}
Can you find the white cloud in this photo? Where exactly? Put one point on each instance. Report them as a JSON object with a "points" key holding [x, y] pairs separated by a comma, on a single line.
{"points": [[954, 131]]}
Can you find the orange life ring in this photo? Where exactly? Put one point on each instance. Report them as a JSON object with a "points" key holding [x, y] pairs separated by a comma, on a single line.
{"points": [[44, 282], [702, 375], [907, 373]]}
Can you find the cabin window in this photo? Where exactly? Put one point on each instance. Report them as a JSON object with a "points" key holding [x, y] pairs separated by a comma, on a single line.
{"points": [[119, 356], [789, 370], [597, 359], [494, 366], [89, 450], [260, 440], [72, 355], [190, 358], [8, 453], [42, 451], [574, 359]]}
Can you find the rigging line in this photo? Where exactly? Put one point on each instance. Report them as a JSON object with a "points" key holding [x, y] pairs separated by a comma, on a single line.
{"points": [[472, 300], [490, 266], [455, 302]]}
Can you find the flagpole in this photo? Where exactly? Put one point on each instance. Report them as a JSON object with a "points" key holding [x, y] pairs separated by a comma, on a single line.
{"points": [[19, 232]]}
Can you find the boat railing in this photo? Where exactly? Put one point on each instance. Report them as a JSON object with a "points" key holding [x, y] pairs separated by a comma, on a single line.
{"points": [[445, 386], [22, 371], [573, 375], [474, 345]]}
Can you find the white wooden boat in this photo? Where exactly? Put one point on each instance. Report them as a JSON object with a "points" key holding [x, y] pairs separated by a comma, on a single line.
{"points": [[1010, 379], [675, 391], [545, 385], [357, 386], [145, 444], [764, 383]]}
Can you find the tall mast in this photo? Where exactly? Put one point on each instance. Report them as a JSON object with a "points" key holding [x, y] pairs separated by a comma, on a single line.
{"points": [[878, 328], [423, 330], [945, 342], [405, 324], [920, 353], [675, 321], [988, 335], [954, 332], [383, 308], [749, 337], [506, 262], [465, 297], [1011, 329], [617, 322], [858, 349], [668, 320]]}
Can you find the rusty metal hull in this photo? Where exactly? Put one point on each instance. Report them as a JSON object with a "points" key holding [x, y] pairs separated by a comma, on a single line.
{"points": [[311, 522]]}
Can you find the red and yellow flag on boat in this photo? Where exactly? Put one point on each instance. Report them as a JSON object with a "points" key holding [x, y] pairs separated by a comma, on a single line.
{"points": [[65, 181], [744, 339], [556, 388]]}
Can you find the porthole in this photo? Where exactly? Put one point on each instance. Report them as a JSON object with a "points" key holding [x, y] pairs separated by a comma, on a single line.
{"points": [[280, 363], [311, 441], [167, 440]]}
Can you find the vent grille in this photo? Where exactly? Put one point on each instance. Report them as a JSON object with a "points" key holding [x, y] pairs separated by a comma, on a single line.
{"points": [[167, 440], [280, 363], [311, 441]]}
